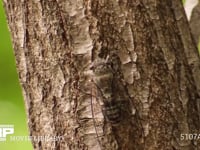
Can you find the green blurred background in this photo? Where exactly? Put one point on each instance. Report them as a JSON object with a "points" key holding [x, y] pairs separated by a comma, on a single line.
{"points": [[12, 109]]}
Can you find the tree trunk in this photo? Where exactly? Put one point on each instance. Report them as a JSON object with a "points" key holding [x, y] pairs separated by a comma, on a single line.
{"points": [[195, 23], [109, 75]]}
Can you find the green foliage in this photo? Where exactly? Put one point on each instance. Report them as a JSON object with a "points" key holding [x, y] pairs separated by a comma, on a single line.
{"points": [[11, 102]]}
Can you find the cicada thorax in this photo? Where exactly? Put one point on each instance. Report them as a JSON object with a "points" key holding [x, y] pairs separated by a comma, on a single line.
{"points": [[103, 78]]}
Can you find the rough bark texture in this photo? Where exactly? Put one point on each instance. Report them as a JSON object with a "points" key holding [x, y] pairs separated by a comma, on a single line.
{"points": [[195, 23], [107, 74]]}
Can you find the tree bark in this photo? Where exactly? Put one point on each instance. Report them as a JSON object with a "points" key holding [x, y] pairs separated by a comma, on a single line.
{"points": [[107, 74]]}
